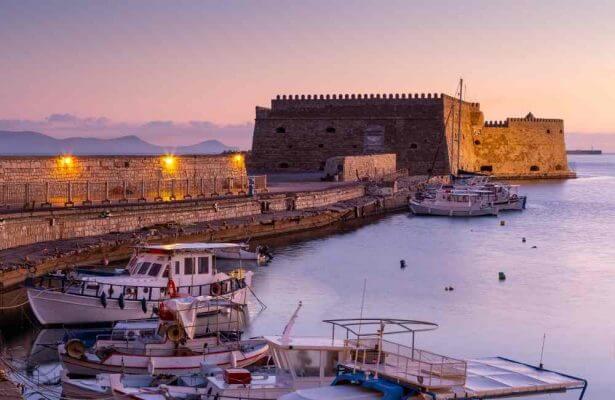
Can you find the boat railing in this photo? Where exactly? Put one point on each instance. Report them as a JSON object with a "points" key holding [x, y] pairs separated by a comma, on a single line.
{"points": [[415, 366], [91, 288]]}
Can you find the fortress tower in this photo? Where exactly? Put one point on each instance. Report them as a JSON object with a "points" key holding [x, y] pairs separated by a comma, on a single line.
{"points": [[299, 133]]}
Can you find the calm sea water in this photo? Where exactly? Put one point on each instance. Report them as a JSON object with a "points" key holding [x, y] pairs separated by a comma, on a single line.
{"points": [[563, 288]]}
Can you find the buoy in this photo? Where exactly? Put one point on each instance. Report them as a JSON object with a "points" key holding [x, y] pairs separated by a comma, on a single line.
{"points": [[523, 240], [501, 276], [534, 247], [446, 288], [451, 288], [402, 264], [502, 223]]}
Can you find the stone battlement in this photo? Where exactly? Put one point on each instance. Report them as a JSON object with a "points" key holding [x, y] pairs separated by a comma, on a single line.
{"points": [[530, 119], [282, 102]]}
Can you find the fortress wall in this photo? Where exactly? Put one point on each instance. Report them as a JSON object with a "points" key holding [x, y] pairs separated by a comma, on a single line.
{"points": [[460, 152], [300, 134], [354, 168], [114, 168], [522, 147]]}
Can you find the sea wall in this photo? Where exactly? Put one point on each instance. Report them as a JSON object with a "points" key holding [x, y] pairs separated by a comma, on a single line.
{"points": [[23, 228]]}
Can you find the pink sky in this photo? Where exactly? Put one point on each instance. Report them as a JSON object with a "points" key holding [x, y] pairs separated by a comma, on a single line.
{"points": [[213, 61]]}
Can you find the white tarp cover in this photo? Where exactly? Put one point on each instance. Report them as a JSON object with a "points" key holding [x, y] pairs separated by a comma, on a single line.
{"points": [[186, 310], [497, 376]]}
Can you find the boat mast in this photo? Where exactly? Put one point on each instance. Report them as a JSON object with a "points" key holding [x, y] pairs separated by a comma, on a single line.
{"points": [[459, 125]]}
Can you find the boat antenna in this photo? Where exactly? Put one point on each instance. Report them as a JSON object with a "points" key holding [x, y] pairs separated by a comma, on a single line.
{"points": [[289, 326], [354, 369], [542, 350]]}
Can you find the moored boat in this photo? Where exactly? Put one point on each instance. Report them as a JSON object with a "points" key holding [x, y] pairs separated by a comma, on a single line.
{"points": [[158, 347], [155, 273], [453, 203]]}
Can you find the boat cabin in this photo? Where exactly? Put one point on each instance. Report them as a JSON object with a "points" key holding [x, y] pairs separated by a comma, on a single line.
{"points": [[306, 361]]}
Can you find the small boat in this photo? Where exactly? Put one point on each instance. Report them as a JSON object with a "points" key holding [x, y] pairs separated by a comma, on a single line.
{"points": [[159, 346], [452, 202], [155, 273], [504, 196], [261, 254]]}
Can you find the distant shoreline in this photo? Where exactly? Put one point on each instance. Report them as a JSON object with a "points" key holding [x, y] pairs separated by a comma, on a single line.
{"points": [[591, 152]]}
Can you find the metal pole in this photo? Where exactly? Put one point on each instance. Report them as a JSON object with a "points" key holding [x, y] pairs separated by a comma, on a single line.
{"points": [[459, 125], [106, 199]]}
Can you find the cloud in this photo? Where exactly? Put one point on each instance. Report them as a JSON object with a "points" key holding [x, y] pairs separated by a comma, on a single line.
{"points": [[164, 133]]}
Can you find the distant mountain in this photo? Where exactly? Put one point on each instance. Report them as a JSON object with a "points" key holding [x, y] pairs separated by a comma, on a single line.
{"points": [[35, 143]]}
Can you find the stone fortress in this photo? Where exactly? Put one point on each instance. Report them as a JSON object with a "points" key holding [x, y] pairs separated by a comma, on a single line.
{"points": [[300, 132]]}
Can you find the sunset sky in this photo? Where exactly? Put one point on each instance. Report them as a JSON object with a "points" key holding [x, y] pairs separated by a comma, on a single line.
{"points": [[108, 68]]}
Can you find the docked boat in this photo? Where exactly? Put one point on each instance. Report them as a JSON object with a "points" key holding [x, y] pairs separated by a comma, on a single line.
{"points": [[159, 347], [154, 273], [260, 255], [452, 202], [374, 368]]}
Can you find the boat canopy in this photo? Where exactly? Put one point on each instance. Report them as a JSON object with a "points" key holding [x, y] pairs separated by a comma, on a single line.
{"points": [[190, 247], [364, 327]]}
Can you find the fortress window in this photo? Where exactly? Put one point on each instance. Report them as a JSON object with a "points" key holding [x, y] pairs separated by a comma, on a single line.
{"points": [[354, 146], [413, 146], [126, 164], [280, 129], [330, 129], [321, 145], [283, 165], [486, 168], [477, 142], [290, 146], [548, 130], [534, 168], [560, 131], [558, 167]]}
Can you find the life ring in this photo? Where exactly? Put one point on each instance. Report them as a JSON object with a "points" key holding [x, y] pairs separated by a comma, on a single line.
{"points": [[171, 288], [75, 348], [216, 289]]}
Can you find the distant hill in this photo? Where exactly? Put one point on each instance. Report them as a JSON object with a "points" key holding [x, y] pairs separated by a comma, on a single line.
{"points": [[35, 143]]}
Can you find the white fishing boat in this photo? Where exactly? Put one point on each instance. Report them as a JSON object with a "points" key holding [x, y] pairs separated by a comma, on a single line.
{"points": [[154, 273], [504, 196], [159, 347], [454, 203]]}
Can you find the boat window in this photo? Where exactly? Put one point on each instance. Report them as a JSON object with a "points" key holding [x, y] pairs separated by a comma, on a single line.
{"points": [[330, 360], [176, 267], [144, 267], [132, 263], [305, 362], [203, 265], [155, 269], [188, 266], [165, 274]]}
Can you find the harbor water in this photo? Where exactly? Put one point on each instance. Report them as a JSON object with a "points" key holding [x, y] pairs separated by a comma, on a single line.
{"points": [[560, 282]]}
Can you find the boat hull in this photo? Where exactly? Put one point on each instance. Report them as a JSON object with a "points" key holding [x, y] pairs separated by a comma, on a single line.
{"points": [[119, 363], [423, 209], [55, 307], [517, 204]]}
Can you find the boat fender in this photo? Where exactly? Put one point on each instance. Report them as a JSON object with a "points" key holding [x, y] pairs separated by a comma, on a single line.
{"points": [[216, 289], [120, 301], [103, 299], [171, 289], [75, 348], [402, 264], [144, 305]]}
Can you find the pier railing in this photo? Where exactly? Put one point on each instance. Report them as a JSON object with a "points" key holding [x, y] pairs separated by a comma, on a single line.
{"points": [[32, 195], [413, 365]]}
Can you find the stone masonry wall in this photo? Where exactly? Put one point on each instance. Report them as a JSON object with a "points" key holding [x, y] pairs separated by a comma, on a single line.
{"points": [[521, 147], [298, 133], [101, 168], [20, 229], [354, 168], [301, 133]]}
